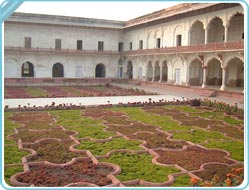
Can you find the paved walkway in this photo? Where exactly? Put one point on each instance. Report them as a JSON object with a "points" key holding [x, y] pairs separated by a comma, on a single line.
{"points": [[86, 101]]}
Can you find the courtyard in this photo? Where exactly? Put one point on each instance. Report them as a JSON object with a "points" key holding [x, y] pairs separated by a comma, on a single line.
{"points": [[164, 143]]}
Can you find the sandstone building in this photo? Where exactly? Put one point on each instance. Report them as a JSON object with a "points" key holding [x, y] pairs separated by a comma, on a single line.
{"points": [[193, 44]]}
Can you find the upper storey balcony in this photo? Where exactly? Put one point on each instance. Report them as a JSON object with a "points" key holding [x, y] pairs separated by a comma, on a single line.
{"points": [[198, 48], [59, 51]]}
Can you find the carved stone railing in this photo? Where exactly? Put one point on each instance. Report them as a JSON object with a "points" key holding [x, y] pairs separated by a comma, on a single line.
{"points": [[210, 47], [60, 51]]}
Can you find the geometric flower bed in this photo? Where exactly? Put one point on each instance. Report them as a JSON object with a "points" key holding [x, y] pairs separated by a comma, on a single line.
{"points": [[132, 146], [72, 91]]}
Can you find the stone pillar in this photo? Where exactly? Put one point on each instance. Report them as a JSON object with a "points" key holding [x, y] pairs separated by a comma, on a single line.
{"points": [[226, 33], [206, 35], [204, 76], [223, 86], [146, 72], [187, 75], [153, 72], [161, 72]]}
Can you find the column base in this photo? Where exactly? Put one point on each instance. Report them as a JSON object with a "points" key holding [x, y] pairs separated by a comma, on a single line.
{"points": [[204, 86], [223, 87]]}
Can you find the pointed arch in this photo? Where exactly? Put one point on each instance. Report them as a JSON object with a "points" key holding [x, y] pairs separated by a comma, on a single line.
{"points": [[100, 71], [195, 72], [214, 76], [130, 70], [216, 30], [164, 66], [178, 32], [58, 70], [236, 27], [197, 33], [27, 69], [235, 72]]}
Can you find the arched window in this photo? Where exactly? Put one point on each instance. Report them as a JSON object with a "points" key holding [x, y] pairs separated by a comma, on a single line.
{"points": [[27, 69], [100, 71], [58, 70]]}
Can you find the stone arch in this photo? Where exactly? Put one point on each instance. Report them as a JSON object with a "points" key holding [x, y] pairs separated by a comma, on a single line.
{"points": [[197, 33], [195, 72], [150, 40], [178, 32], [58, 70], [130, 70], [214, 72], [157, 71], [177, 73], [235, 72], [164, 66], [149, 71], [216, 30], [27, 69], [141, 37], [236, 27], [100, 71], [158, 38]]}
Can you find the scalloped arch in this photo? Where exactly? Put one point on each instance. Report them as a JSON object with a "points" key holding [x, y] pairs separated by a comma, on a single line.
{"points": [[230, 16], [194, 22], [212, 18], [195, 58], [234, 57], [213, 58]]}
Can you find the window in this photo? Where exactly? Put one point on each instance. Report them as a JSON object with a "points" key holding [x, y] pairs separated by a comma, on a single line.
{"points": [[79, 44], [130, 46], [57, 43], [58, 70], [178, 40], [100, 46], [158, 43], [27, 42], [120, 46], [27, 69], [141, 44]]}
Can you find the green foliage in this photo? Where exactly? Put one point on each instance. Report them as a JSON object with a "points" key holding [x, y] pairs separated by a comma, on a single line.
{"points": [[11, 170], [139, 166], [165, 122], [8, 123], [8, 141], [198, 135], [236, 148], [73, 90], [9, 126], [184, 108], [217, 115], [101, 148], [86, 126], [181, 181], [12, 155], [36, 92]]}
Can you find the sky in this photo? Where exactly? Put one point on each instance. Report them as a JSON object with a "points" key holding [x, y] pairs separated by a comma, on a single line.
{"points": [[119, 10]]}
